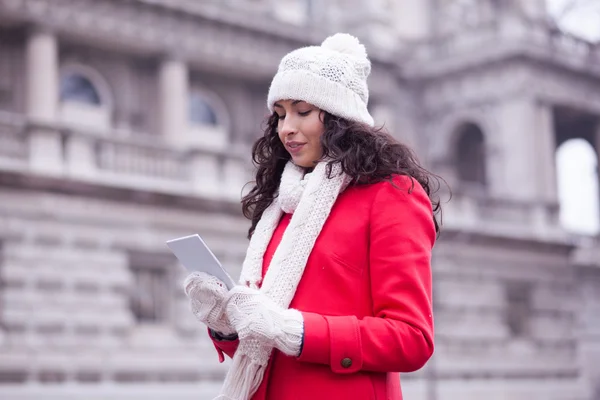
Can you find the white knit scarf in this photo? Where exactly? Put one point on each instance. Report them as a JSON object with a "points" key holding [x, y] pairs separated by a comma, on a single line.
{"points": [[310, 199]]}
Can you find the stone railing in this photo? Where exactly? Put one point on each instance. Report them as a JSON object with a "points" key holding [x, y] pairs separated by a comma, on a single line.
{"points": [[573, 45], [14, 150], [133, 162], [139, 157], [504, 32], [458, 43], [495, 215]]}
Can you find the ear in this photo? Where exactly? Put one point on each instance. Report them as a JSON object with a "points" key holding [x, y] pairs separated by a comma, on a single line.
{"points": [[322, 114]]}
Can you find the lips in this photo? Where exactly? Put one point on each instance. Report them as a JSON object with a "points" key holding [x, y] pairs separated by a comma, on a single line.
{"points": [[294, 147]]}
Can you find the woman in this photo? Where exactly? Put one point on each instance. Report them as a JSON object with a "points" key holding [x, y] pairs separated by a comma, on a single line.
{"points": [[334, 298]]}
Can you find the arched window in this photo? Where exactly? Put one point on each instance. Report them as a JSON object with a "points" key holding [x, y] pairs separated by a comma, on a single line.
{"points": [[201, 112], [77, 88], [577, 175], [208, 119], [85, 98], [470, 155]]}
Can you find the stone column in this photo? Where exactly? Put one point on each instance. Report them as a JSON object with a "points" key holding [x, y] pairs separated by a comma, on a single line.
{"points": [[42, 76], [588, 269], [80, 155], [42, 102], [173, 98], [517, 131], [546, 150], [526, 170], [545, 216]]}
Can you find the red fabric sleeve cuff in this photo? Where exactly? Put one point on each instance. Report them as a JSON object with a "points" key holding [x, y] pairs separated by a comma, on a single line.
{"points": [[219, 352], [316, 339], [225, 347], [346, 348]]}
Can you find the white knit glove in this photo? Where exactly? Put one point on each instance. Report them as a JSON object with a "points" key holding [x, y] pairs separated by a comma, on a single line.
{"points": [[207, 301], [253, 315]]}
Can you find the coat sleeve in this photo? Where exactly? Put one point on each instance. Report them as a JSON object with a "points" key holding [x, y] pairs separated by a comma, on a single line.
{"points": [[223, 347], [399, 335]]}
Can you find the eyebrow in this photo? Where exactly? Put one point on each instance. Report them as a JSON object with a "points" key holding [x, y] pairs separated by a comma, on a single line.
{"points": [[293, 103]]}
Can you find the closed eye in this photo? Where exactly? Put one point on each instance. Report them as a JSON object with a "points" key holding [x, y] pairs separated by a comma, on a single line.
{"points": [[304, 114]]}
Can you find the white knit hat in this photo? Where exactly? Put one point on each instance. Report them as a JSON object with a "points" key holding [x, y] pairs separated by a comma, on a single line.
{"points": [[332, 76]]}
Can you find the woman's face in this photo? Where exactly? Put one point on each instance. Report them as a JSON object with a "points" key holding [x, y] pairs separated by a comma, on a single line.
{"points": [[300, 129]]}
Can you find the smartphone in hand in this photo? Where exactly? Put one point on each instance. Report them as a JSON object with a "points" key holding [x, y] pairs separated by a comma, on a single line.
{"points": [[194, 255]]}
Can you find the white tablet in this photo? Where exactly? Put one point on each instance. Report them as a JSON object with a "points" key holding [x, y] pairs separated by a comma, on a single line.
{"points": [[194, 254]]}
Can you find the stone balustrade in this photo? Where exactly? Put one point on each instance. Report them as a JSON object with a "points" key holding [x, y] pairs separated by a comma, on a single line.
{"points": [[13, 144], [498, 34], [131, 162], [495, 215]]}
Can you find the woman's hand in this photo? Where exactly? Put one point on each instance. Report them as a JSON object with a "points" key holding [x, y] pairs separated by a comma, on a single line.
{"points": [[254, 316], [207, 301]]}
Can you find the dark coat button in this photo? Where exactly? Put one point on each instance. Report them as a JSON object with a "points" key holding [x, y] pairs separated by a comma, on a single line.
{"points": [[346, 363]]}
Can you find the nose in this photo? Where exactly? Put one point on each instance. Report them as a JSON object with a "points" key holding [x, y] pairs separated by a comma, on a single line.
{"points": [[288, 127]]}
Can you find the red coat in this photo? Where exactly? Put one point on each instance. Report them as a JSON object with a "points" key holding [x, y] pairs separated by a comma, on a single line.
{"points": [[365, 296]]}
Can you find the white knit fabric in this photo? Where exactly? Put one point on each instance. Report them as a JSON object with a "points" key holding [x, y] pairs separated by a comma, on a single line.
{"points": [[314, 204], [291, 187], [332, 77], [255, 316], [207, 301]]}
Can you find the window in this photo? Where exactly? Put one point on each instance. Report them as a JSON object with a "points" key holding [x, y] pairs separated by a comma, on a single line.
{"points": [[77, 88], [470, 155], [201, 113], [151, 291], [208, 120], [7, 74], [518, 308], [85, 98], [577, 178]]}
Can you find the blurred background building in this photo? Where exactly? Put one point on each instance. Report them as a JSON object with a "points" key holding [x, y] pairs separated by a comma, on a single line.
{"points": [[125, 123]]}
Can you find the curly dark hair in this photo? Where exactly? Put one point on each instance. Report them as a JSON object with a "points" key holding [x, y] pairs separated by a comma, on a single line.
{"points": [[367, 154]]}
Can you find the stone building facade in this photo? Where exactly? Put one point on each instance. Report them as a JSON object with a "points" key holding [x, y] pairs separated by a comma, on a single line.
{"points": [[125, 123]]}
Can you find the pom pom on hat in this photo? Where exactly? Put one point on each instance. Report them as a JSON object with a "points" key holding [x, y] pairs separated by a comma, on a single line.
{"points": [[346, 44]]}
